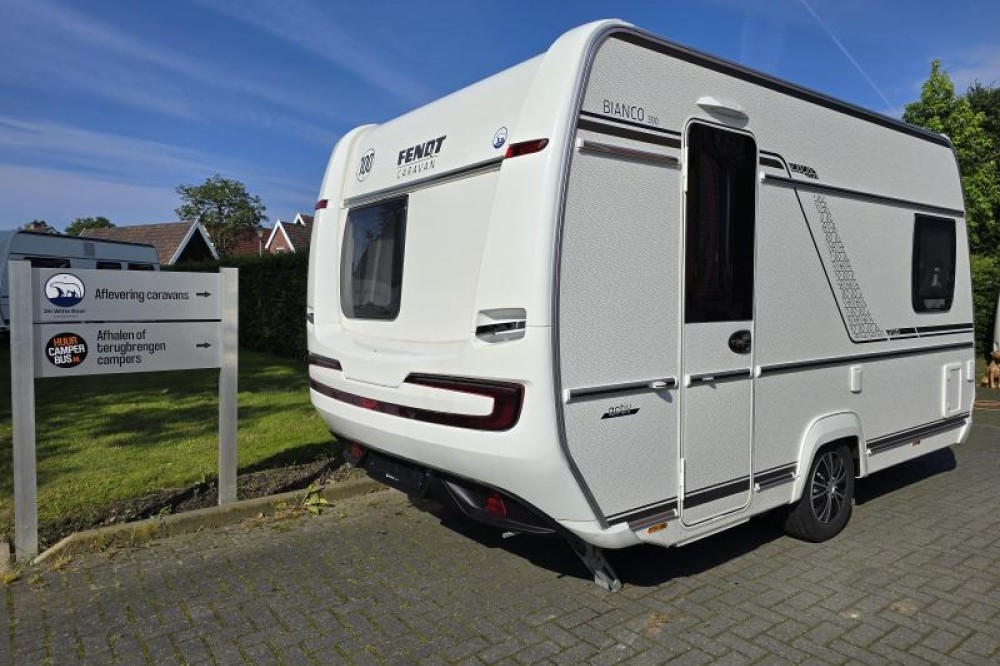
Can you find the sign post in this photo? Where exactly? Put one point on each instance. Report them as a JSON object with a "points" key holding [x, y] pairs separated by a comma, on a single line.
{"points": [[22, 403], [88, 322]]}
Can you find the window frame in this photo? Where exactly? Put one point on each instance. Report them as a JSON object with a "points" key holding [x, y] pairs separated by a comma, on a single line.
{"points": [[349, 310], [921, 222]]}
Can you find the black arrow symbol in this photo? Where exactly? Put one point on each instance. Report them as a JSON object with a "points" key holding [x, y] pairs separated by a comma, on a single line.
{"points": [[203, 294], [204, 345]]}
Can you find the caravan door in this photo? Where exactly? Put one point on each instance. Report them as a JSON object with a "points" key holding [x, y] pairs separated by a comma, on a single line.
{"points": [[720, 183]]}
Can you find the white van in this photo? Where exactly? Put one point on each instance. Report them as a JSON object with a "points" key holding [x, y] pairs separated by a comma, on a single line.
{"points": [[628, 292], [59, 251]]}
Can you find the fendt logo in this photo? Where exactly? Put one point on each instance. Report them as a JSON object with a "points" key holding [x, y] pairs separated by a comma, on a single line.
{"points": [[64, 290], [365, 164], [418, 158]]}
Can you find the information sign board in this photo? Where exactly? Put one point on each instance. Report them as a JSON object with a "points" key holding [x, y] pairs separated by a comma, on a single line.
{"points": [[65, 295], [65, 349]]}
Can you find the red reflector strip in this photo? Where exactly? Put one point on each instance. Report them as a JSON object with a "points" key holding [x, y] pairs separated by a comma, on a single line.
{"points": [[507, 400], [322, 203], [525, 148]]}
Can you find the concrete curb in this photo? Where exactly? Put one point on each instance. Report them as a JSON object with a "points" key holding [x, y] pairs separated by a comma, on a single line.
{"points": [[142, 531]]}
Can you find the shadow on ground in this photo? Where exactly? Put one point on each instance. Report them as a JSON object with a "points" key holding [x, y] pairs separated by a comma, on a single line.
{"points": [[648, 566]]}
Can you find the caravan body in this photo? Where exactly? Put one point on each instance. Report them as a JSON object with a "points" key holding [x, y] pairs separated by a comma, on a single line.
{"points": [[59, 251], [633, 293]]}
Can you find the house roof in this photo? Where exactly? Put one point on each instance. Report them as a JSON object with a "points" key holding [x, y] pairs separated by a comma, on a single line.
{"points": [[169, 238], [298, 233]]}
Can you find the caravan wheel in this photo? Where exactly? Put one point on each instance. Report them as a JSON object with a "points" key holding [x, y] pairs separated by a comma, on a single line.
{"points": [[826, 502]]}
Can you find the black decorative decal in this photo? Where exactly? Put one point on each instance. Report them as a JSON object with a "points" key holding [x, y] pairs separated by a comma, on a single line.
{"points": [[859, 320]]}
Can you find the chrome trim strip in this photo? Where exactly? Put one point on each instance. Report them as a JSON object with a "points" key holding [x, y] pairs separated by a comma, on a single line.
{"points": [[770, 179], [419, 183], [840, 360], [588, 146], [711, 377], [649, 521], [904, 437], [625, 387]]}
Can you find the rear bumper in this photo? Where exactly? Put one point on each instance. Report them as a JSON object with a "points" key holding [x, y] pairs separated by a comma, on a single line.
{"points": [[492, 506]]}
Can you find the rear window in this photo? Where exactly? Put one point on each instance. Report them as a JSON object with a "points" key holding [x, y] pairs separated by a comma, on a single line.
{"points": [[371, 265], [109, 265], [933, 263]]}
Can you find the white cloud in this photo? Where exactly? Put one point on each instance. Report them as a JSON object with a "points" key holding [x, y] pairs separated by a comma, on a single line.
{"points": [[60, 47], [981, 64], [312, 29], [59, 196]]}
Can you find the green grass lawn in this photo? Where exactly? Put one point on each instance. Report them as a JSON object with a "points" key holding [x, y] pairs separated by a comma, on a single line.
{"points": [[107, 438]]}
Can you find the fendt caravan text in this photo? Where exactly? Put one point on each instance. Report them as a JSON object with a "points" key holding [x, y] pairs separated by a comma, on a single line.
{"points": [[627, 292]]}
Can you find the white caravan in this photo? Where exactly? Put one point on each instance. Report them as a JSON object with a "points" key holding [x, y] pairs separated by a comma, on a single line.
{"points": [[628, 292], [59, 251]]}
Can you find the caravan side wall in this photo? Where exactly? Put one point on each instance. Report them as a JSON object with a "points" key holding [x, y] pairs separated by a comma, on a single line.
{"points": [[665, 412], [662, 382]]}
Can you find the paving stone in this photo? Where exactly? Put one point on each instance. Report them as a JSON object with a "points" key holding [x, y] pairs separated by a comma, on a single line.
{"points": [[379, 580]]}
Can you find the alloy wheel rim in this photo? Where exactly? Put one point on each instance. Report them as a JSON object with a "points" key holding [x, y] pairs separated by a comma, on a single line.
{"points": [[828, 487]]}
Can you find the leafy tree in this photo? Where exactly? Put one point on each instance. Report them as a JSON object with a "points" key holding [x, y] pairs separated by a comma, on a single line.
{"points": [[939, 110], [986, 100], [224, 206], [81, 224], [39, 226]]}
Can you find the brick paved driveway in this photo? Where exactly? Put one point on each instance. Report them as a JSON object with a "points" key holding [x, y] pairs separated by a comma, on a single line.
{"points": [[914, 579]]}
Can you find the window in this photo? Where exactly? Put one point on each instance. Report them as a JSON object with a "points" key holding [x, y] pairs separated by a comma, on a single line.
{"points": [[721, 202], [109, 265], [933, 263], [371, 265], [140, 267], [48, 262]]}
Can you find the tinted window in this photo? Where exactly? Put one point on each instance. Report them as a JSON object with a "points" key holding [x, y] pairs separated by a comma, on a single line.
{"points": [[933, 263], [371, 265], [140, 267], [722, 180], [48, 262], [109, 265]]}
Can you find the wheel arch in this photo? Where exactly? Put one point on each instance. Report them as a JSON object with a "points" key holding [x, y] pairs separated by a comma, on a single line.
{"points": [[825, 430]]}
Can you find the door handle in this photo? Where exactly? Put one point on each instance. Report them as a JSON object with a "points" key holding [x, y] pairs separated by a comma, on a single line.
{"points": [[740, 342]]}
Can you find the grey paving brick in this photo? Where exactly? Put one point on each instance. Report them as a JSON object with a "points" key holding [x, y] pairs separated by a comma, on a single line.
{"points": [[381, 581]]}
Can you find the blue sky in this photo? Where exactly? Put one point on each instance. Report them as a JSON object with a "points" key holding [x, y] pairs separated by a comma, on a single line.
{"points": [[106, 106]]}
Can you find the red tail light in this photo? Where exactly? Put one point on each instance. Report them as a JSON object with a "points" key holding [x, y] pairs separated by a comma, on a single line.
{"points": [[495, 506], [525, 148], [322, 203], [507, 400]]}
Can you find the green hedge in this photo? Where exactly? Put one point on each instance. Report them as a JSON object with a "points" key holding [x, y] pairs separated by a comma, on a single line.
{"points": [[272, 301], [985, 287]]}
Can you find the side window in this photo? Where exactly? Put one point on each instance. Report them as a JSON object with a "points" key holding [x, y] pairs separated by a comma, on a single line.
{"points": [[933, 263], [109, 265], [721, 202], [371, 263], [48, 262], [140, 267]]}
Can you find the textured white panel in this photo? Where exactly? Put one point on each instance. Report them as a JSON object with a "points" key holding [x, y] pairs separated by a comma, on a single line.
{"points": [[618, 303], [628, 461], [618, 282]]}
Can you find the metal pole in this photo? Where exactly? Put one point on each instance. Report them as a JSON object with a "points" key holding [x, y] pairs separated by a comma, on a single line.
{"points": [[229, 287], [22, 398]]}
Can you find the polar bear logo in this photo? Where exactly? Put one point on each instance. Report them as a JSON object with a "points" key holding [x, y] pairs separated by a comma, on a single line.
{"points": [[64, 290]]}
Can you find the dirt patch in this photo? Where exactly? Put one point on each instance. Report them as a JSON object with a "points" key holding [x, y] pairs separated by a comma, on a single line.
{"points": [[322, 471]]}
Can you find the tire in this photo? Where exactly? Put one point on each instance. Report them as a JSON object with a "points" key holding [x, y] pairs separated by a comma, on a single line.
{"points": [[826, 502]]}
